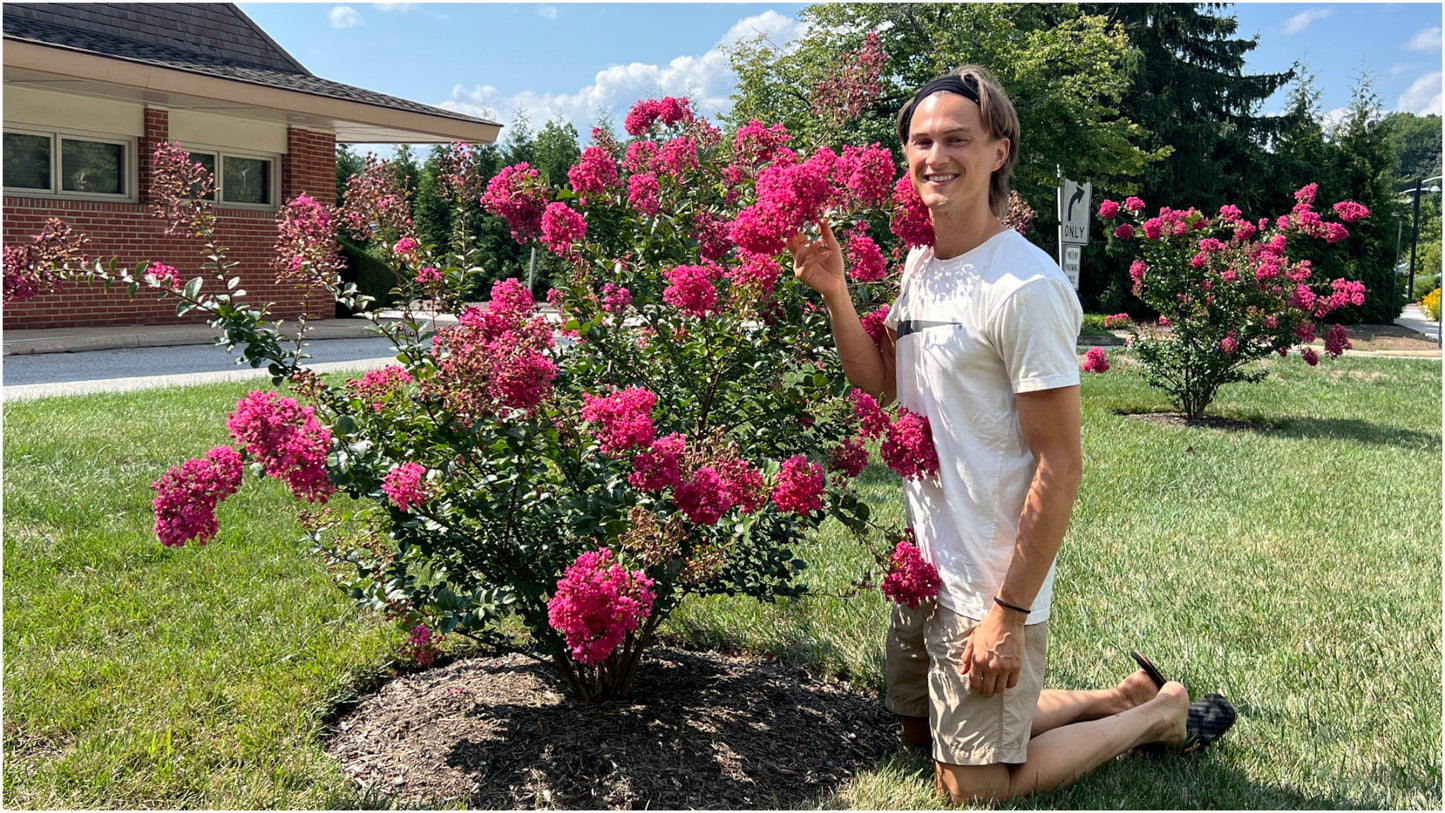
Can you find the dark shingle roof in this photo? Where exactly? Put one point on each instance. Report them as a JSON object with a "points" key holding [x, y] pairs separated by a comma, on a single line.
{"points": [[213, 39]]}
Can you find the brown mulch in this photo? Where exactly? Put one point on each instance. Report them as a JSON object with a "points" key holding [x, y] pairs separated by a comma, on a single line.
{"points": [[701, 730]]}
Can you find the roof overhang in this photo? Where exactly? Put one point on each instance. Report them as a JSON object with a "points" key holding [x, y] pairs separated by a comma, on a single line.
{"points": [[61, 69]]}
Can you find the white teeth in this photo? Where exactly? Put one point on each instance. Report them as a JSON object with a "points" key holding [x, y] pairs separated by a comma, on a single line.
{"points": [[939, 178]]}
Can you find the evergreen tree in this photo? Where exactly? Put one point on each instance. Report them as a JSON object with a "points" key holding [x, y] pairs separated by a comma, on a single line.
{"points": [[1189, 92], [348, 163]]}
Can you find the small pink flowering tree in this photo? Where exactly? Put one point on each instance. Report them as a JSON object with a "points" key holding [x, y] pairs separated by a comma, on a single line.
{"points": [[1230, 292], [556, 480]]}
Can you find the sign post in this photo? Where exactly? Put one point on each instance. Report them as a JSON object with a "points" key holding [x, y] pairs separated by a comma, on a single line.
{"points": [[1074, 202]]}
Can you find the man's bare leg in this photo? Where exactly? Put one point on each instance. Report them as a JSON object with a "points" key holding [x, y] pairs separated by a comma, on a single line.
{"points": [[1060, 756], [1059, 707], [917, 734]]}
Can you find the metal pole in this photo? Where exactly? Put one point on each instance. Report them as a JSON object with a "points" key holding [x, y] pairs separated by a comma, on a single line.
{"points": [[532, 264], [1414, 238]]}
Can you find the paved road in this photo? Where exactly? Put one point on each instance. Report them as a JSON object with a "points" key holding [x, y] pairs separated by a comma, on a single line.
{"points": [[43, 375]]}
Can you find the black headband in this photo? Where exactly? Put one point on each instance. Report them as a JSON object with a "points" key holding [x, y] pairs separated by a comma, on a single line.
{"points": [[967, 87]]}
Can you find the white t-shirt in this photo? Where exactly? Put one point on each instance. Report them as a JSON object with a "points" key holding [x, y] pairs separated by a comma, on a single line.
{"points": [[973, 331]]}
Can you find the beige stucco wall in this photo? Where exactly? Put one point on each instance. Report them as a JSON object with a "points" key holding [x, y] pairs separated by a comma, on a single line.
{"points": [[228, 132], [67, 111]]}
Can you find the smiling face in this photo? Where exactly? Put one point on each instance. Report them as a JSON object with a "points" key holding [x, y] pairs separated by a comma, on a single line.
{"points": [[952, 156]]}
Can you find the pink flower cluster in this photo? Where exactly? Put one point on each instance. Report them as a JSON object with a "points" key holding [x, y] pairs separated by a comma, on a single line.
{"points": [[760, 271], [182, 189], [660, 466], [865, 258], [496, 358], [621, 421], [908, 448], [562, 228], [187, 496], [615, 298], [690, 289], [848, 90], [164, 275], [375, 204], [1117, 321], [849, 457], [421, 645], [1337, 341], [306, 250], [597, 603], [911, 580], [429, 275], [872, 420], [1095, 361], [873, 324], [378, 385], [518, 196], [37, 267], [287, 439], [912, 222], [799, 486], [406, 486], [647, 112], [792, 194], [642, 193], [756, 144], [595, 173]]}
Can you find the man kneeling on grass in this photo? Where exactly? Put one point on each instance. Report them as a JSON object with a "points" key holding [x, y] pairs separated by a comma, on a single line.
{"points": [[981, 341]]}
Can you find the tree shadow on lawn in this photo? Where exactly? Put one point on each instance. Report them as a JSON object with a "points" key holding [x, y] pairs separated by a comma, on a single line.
{"points": [[700, 730], [1302, 428], [1356, 429]]}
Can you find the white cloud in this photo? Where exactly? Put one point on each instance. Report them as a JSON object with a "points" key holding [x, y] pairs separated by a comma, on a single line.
{"points": [[706, 78], [400, 8], [547, 12], [345, 17], [1334, 118], [1301, 21], [1423, 97], [1426, 40]]}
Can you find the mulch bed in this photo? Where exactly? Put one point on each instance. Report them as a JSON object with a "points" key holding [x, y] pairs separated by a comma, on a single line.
{"points": [[701, 730]]}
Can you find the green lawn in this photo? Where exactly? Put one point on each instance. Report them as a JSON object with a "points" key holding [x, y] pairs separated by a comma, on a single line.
{"points": [[1295, 567]]}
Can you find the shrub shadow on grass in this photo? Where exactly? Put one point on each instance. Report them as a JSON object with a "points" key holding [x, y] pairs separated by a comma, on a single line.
{"points": [[1355, 429], [699, 731]]}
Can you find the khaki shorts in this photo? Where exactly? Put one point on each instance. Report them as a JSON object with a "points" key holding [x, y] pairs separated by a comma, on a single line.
{"points": [[924, 652]]}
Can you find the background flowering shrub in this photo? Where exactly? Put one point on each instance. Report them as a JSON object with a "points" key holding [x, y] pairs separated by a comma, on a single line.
{"points": [[1230, 291]]}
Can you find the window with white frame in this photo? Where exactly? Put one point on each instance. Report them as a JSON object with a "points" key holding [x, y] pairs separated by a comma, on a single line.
{"points": [[243, 180], [70, 164]]}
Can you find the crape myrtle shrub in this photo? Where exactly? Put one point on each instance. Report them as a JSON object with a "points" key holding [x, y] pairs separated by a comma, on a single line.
{"points": [[557, 479], [1230, 291]]}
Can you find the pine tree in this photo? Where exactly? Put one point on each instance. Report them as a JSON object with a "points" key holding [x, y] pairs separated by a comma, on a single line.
{"points": [[1189, 90]]}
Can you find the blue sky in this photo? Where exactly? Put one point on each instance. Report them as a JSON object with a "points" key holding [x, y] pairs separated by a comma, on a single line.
{"points": [[566, 61]]}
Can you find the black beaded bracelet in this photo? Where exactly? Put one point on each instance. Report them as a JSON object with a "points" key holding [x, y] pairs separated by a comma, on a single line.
{"points": [[1004, 604]]}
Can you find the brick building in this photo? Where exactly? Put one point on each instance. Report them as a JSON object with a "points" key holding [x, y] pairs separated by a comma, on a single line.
{"points": [[90, 89]]}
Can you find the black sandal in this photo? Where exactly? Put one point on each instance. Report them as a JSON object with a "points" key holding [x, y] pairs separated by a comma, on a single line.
{"points": [[1209, 717], [1149, 668]]}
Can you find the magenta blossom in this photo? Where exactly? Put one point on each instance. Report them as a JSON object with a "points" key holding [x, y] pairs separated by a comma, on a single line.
{"points": [[908, 448], [1095, 361], [187, 496], [622, 420], [288, 441], [799, 487], [562, 228], [406, 486], [911, 580], [597, 604]]}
